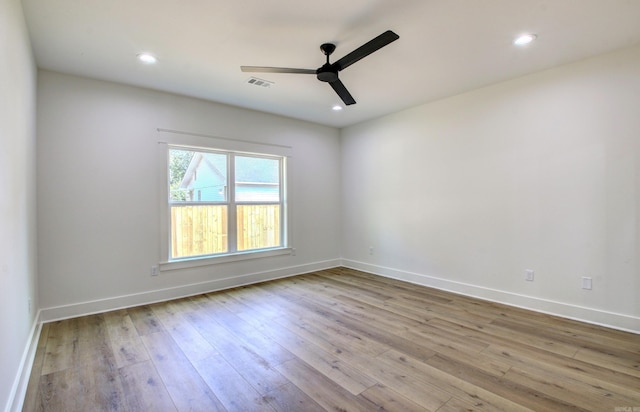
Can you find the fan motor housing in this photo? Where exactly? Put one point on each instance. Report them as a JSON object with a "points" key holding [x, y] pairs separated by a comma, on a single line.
{"points": [[327, 74]]}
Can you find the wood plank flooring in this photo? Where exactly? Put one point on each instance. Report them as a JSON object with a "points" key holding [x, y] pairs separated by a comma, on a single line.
{"points": [[335, 340]]}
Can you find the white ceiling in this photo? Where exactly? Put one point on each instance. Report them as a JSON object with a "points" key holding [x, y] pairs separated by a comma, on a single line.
{"points": [[446, 46]]}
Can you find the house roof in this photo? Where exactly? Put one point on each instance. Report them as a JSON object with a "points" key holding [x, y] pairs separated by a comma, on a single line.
{"points": [[214, 163], [252, 171]]}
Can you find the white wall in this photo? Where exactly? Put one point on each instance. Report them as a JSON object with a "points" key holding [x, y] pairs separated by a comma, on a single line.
{"points": [[541, 173], [17, 198], [99, 203]]}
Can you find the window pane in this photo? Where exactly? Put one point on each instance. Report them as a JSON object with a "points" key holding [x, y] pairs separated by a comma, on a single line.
{"points": [[258, 226], [198, 230], [197, 176], [257, 179], [202, 198]]}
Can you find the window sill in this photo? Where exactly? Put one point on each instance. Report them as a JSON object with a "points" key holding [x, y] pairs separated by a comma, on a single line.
{"points": [[214, 260]]}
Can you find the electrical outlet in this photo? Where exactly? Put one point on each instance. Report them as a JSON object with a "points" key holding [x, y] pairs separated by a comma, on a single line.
{"points": [[587, 283], [371, 250], [293, 251], [528, 275], [155, 271], [30, 308]]}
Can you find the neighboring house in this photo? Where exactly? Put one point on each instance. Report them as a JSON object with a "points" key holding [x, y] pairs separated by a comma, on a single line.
{"points": [[206, 179]]}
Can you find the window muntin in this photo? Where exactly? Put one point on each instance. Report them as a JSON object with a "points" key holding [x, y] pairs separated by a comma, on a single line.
{"points": [[211, 217]]}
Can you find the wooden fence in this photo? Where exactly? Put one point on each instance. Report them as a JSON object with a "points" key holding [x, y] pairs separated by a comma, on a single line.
{"points": [[258, 226], [198, 230], [202, 230]]}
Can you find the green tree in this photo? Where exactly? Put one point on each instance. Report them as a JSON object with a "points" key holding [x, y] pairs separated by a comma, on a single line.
{"points": [[178, 163]]}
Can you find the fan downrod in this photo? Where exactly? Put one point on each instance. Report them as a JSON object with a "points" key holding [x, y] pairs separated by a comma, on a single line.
{"points": [[327, 73]]}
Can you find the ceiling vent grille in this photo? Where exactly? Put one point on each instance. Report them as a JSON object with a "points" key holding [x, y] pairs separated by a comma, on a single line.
{"points": [[254, 81]]}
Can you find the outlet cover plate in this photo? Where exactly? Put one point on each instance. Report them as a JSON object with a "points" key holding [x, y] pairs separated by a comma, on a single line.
{"points": [[528, 275]]}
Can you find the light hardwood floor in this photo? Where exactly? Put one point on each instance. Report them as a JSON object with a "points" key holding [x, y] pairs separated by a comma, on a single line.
{"points": [[337, 340]]}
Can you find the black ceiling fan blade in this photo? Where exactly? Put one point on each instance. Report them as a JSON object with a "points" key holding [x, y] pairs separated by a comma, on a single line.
{"points": [[262, 69], [342, 91], [366, 49]]}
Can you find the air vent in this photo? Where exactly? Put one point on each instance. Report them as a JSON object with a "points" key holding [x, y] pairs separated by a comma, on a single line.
{"points": [[260, 82]]}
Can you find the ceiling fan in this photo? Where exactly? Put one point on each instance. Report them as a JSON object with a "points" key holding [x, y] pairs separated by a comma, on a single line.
{"points": [[329, 71]]}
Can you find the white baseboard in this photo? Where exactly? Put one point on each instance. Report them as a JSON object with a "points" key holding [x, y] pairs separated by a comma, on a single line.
{"points": [[588, 315], [19, 389], [119, 302]]}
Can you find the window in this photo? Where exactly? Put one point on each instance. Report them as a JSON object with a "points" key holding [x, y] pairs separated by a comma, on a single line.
{"points": [[224, 203]]}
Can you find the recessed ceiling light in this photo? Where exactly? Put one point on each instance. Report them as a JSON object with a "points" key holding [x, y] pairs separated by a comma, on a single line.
{"points": [[147, 58], [336, 108], [524, 39]]}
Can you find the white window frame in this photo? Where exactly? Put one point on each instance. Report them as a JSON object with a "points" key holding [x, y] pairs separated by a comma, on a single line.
{"points": [[203, 143]]}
